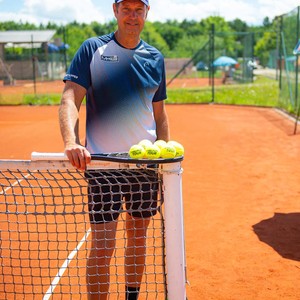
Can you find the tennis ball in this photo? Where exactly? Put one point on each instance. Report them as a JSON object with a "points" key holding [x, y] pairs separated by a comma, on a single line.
{"points": [[178, 147], [167, 151], [137, 151], [152, 152], [160, 143], [145, 143]]}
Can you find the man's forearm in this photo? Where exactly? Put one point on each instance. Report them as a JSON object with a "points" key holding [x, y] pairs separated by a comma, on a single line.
{"points": [[161, 119], [68, 120], [162, 129]]}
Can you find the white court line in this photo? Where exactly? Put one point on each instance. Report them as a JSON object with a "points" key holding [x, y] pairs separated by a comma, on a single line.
{"points": [[14, 184], [64, 266], [66, 263]]}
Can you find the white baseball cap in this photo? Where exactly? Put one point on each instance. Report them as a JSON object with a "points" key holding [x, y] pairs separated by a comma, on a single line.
{"points": [[144, 1]]}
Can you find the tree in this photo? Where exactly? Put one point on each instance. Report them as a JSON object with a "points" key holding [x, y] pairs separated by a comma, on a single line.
{"points": [[188, 46], [267, 23], [173, 38], [151, 36], [238, 25], [76, 34], [264, 45], [170, 32], [191, 28]]}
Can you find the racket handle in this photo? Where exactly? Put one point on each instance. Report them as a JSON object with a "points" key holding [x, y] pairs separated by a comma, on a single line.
{"points": [[48, 156]]}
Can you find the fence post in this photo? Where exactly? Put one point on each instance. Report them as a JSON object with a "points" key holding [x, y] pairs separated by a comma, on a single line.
{"points": [[212, 58], [33, 65], [297, 56]]}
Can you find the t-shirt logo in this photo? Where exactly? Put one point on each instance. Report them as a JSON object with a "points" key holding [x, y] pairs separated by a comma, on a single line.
{"points": [[110, 58]]}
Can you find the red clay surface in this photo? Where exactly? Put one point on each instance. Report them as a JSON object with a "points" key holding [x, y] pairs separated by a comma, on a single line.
{"points": [[22, 87], [27, 87], [193, 82], [240, 187]]}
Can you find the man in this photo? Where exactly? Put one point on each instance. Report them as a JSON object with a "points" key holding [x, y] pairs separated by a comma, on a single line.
{"points": [[123, 79]]}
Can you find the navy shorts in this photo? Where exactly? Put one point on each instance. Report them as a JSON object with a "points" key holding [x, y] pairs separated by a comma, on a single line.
{"points": [[113, 192]]}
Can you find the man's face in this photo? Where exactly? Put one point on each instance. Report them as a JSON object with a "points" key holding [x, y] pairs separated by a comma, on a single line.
{"points": [[131, 16]]}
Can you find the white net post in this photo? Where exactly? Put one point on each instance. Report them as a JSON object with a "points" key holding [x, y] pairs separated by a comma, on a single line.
{"points": [[174, 231]]}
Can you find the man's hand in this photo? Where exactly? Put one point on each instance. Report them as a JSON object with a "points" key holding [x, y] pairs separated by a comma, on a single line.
{"points": [[78, 156]]}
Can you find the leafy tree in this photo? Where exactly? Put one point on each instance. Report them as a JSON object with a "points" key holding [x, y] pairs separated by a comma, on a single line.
{"points": [[188, 46], [151, 36], [227, 39], [12, 25], [267, 23], [170, 32], [76, 34], [238, 25], [220, 24], [173, 38], [191, 27], [264, 45]]}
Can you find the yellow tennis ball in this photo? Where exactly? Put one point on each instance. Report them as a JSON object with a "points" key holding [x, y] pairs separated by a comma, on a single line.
{"points": [[168, 151], [137, 151], [160, 143], [145, 143], [152, 152], [178, 147]]}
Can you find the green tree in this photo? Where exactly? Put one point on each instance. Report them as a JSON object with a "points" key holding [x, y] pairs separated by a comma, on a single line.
{"points": [[263, 47], [76, 34], [238, 25], [172, 38], [226, 44], [191, 27], [188, 46], [151, 36], [170, 32], [266, 42], [267, 23]]}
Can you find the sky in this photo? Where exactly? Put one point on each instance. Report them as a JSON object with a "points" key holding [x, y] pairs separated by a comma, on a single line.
{"points": [[61, 12]]}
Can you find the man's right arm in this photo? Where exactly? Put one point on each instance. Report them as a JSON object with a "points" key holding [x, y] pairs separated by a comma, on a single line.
{"points": [[71, 100]]}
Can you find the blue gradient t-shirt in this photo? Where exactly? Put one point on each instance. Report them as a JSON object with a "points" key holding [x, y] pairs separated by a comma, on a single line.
{"points": [[121, 85]]}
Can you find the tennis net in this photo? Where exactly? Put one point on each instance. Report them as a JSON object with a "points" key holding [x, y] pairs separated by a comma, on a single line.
{"points": [[45, 228]]}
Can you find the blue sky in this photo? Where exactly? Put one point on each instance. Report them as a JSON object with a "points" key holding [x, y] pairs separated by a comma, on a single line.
{"points": [[64, 11]]}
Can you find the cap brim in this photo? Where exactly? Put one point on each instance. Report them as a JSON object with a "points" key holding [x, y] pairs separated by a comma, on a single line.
{"points": [[146, 2]]}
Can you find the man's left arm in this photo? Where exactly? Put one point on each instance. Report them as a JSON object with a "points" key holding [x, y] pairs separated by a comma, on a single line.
{"points": [[161, 119]]}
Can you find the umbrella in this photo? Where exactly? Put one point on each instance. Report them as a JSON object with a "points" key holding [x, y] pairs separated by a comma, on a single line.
{"points": [[223, 61], [64, 46], [52, 48]]}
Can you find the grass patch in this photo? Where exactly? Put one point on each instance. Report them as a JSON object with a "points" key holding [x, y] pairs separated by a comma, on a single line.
{"points": [[189, 95], [263, 92], [48, 99], [11, 99], [30, 99]]}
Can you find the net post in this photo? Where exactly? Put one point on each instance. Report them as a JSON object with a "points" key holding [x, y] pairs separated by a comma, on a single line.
{"points": [[174, 230]]}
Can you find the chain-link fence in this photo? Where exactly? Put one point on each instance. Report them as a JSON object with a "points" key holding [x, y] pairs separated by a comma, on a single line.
{"points": [[28, 66], [288, 61], [212, 82], [225, 58]]}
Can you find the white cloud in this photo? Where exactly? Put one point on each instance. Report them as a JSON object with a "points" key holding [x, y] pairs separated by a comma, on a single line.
{"points": [[250, 11], [60, 11], [230, 9], [276, 8], [11, 16]]}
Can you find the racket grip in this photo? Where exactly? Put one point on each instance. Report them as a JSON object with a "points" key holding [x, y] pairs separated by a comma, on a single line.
{"points": [[48, 156]]}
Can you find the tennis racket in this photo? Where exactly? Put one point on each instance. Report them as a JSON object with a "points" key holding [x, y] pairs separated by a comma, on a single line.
{"points": [[118, 157]]}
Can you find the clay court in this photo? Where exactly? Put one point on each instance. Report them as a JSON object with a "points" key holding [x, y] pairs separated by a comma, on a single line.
{"points": [[23, 87], [240, 188]]}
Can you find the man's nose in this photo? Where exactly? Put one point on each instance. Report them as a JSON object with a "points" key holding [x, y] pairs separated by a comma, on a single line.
{"points": [[133, 14]]}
